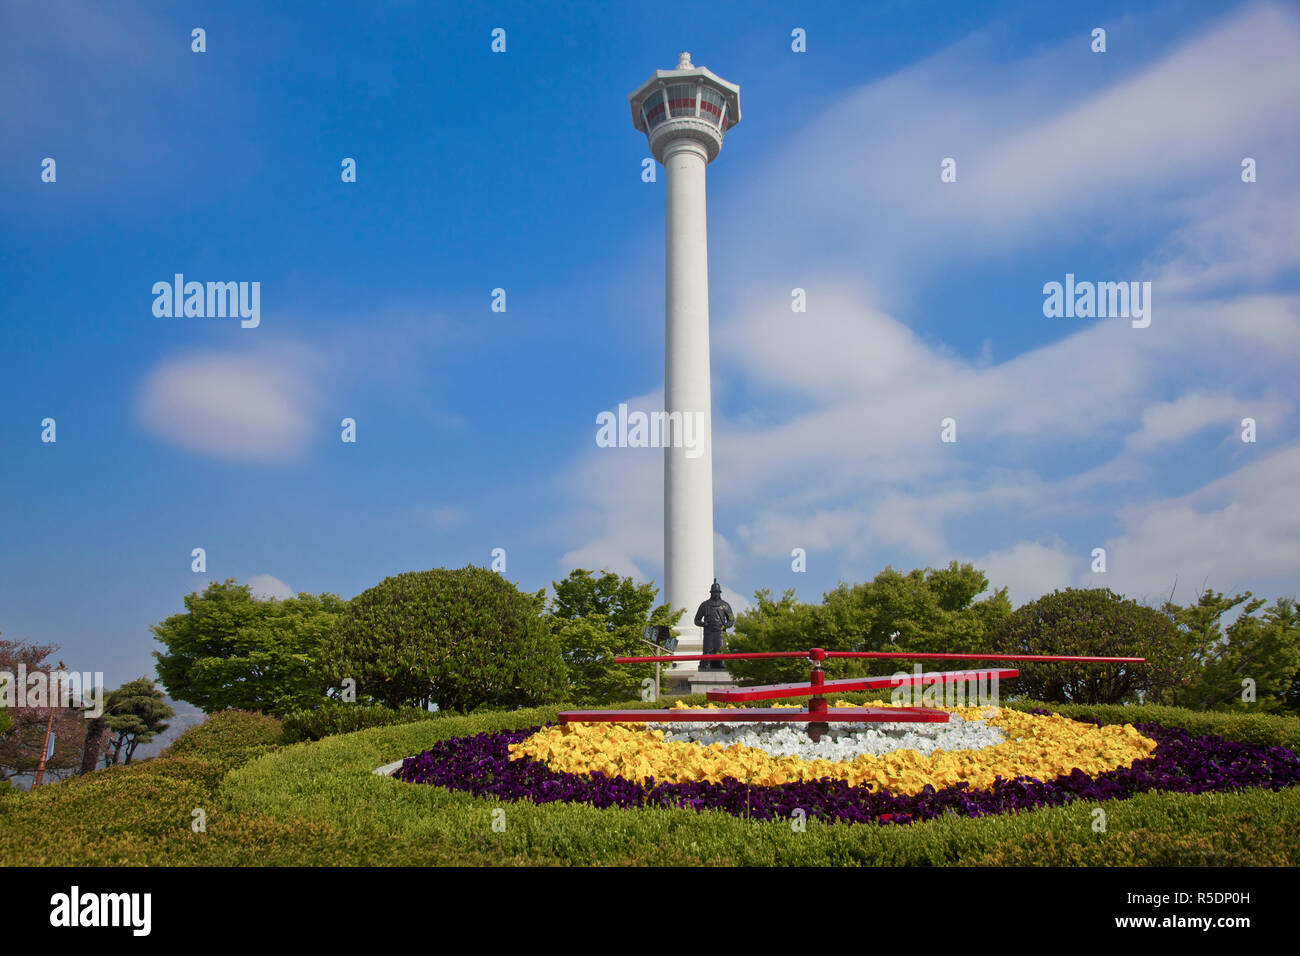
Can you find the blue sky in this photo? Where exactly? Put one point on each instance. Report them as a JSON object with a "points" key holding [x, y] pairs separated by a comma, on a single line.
{"points": [[522, 171]]}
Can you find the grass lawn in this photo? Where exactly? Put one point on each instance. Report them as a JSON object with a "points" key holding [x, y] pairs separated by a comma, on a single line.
{"points": [[319, 803]]}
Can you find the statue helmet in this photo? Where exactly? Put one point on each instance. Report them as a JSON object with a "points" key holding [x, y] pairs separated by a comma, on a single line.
{"points": [[716, 589]]}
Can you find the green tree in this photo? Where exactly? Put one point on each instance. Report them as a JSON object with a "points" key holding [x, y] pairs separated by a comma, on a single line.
{"points": [[596, 618], [462, 639], [1262, 649], [232, 650], [924, 610], [1091, 622], [776, 625], [135, 713], [1199, 628]]}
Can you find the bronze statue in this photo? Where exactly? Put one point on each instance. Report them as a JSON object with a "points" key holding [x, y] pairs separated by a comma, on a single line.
{"points": [[715, 616]]}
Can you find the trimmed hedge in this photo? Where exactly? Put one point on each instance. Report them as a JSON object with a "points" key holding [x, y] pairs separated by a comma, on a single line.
{"points": [[142, 814], [1248, 841], [228, 738], [338, 717], [321, 804]]}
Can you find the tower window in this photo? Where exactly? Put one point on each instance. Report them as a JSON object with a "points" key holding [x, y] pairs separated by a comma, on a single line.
{"points": [[654, 109], [681, 99], [711, 104]]}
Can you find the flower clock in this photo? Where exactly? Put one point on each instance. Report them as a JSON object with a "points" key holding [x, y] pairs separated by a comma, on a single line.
{"points": [[887, 764]]}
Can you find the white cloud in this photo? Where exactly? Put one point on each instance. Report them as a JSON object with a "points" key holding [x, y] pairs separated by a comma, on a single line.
{"points": [[1168, 422], [1246, 233], [739, 602], [269, 588], [617, 496], [1043, 142], [1164, 125], [251, 407], [1029, 569], [1239, 531]]}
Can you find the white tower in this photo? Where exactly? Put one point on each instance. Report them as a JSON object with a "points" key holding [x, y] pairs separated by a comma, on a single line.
{"points": [[685, 113]]}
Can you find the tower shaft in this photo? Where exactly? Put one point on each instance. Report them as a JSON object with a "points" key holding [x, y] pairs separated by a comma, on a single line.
{"points": [[688, 471]]}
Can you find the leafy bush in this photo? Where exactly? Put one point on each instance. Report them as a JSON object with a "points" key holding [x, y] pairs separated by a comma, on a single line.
{"points": [[339, 717], [599, 617], [922, 610], [228, 739], [231, 650], [463, 639], [1092, 622]]}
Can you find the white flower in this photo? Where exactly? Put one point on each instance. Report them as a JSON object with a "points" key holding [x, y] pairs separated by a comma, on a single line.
{"points": [[845, 740]]}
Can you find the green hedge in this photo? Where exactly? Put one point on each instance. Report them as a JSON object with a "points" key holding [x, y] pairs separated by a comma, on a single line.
{"points": [[142, 814], [338, 717], [228, 738], [321, 804]]}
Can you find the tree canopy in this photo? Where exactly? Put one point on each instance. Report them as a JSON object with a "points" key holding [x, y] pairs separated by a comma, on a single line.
{"points": [[922, 610], [462, 639], [135, 714], [232, 650], [597, 617], [1090, 622], [1254, 661]]}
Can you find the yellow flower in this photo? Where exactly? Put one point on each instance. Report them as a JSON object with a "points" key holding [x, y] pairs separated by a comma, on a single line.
{"points": [[1042, 746]]}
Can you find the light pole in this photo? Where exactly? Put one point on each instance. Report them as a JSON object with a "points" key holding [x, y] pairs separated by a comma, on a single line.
{"points": [[661, 639], [685, 113], [54, 695]]}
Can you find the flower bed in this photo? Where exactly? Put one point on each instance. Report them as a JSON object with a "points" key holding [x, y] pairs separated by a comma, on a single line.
{"points": [[482, 765], [1041, 746]]}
